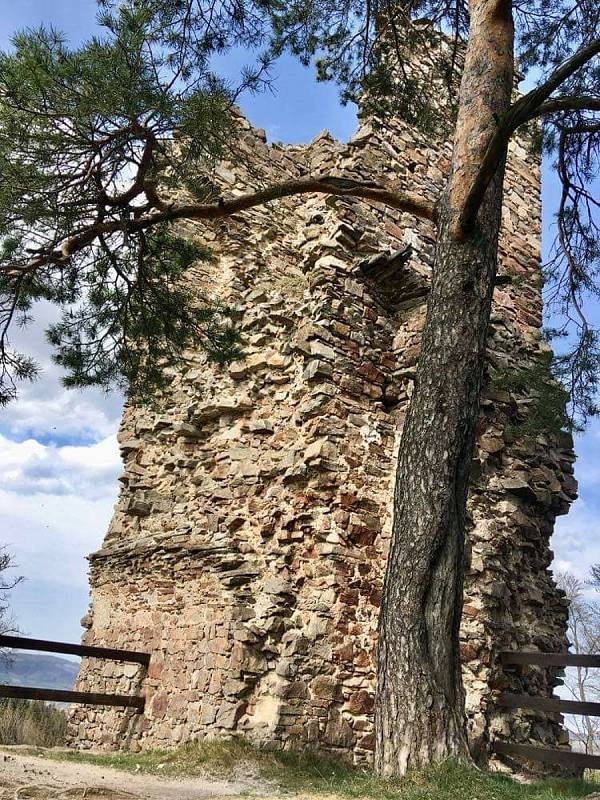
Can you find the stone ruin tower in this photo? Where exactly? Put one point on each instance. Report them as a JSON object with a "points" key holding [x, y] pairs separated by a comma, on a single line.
{"points": [[248, 544]]}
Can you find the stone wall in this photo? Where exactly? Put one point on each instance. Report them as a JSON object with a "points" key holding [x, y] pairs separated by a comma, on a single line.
{"points": [[247, 547]]}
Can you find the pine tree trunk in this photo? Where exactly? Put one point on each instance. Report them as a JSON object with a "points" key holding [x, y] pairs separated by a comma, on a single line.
{"points": [[420, 704]]}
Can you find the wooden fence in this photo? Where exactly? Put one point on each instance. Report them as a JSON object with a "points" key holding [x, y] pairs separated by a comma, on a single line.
{"points": [[507, 699], [553, 705], [62, 696]]}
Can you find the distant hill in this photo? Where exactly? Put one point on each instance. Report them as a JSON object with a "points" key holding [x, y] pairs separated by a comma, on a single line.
{"points": [[28, 669]]}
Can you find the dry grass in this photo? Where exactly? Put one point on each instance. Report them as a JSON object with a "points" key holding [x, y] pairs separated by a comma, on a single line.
{"points": [[31, 723]]}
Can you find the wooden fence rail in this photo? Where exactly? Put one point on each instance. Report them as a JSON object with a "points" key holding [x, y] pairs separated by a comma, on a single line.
{"points": [[548, 755], [553, 705], [63, 696], [549, 659], [46, 646]]}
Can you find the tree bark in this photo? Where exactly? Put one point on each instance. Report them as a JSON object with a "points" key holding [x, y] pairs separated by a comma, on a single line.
{"points": [[420, 703]]}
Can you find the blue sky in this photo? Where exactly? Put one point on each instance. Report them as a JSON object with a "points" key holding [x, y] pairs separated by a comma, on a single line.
{"points": [[58, 456]]}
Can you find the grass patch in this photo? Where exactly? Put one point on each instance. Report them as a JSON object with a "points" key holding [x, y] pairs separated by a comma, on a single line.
{"points": [[309, 773]]}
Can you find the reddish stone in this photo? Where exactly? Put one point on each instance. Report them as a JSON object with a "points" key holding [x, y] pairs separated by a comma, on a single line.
{"points": [[345, 654], [367, 742], [370, 373], [375, 598], [393, 229], [159, 704], [467, 652], [349, 597], [361, 702]]}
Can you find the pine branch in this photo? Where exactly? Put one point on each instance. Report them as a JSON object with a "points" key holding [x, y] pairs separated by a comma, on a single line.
{"points": [[341, 187], [523, 110], [567, 103], [332, 185], [525, 107]]}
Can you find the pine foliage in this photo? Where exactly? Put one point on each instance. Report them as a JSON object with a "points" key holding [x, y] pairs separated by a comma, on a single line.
{"points": [[94, 140], [83, 133]]}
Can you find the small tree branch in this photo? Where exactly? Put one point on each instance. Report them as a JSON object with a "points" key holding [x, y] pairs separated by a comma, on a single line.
{"points": [[557, 104], [524, 109], [341, 187], [137, 186]]}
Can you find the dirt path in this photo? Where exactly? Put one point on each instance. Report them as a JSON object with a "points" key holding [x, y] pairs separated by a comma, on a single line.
{"points": [[24, 776]]}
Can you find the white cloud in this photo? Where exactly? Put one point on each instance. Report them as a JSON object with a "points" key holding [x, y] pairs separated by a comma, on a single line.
{"points": [[48, 411], [59, 463], [50, 536], [576, 543], [87, 472], [561, 565], [55, 505], [45, 409]]}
